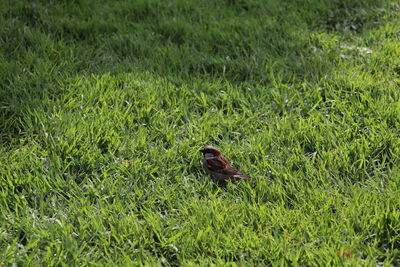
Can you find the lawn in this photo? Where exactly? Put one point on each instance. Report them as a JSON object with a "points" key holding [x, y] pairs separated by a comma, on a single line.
{"points": [[104, 106]]}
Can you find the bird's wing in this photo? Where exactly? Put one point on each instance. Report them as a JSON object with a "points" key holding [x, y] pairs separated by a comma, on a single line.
{"points": [[222, 166]]}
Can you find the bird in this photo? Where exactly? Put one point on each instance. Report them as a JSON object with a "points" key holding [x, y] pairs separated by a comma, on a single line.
{"points": [[219, 167]]}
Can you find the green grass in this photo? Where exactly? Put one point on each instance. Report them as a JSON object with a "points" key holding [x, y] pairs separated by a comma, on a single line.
{"points": [[105, 104]]}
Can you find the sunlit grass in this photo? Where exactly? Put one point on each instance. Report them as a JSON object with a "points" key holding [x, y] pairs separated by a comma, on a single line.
{"points": [[104, 106]]}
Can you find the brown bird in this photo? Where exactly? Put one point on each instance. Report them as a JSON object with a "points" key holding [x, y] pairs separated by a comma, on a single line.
{"points": [[219, 167]]}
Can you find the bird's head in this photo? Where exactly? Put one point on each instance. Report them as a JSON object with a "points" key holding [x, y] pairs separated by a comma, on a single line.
{"points": [[210, 151]]}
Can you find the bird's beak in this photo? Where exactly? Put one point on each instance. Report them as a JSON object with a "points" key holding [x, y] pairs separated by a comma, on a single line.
{"points": [[202, 150]]}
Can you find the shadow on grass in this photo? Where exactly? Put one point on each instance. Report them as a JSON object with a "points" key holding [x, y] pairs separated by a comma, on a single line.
{"points": [[239, 41]]}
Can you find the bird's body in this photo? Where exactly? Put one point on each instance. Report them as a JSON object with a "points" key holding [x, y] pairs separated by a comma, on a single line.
{"points": [[219, 167]]}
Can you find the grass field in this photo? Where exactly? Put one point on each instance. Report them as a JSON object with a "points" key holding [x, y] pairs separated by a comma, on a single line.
{"points": [[104, 106]]}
